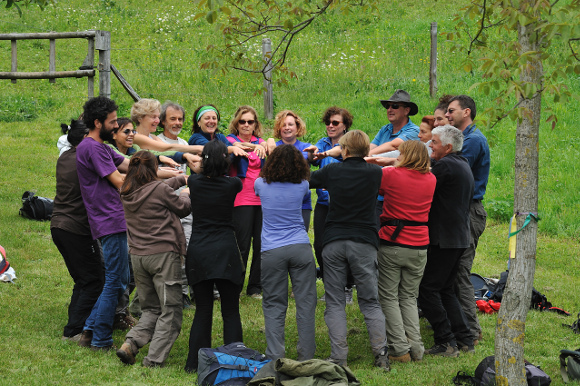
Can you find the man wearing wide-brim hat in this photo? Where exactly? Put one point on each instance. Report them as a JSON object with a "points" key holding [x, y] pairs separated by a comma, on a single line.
{"points": [[400, 128]]}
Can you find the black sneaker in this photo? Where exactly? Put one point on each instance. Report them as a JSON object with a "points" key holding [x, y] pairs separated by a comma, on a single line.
{"points": [[445, 350], [382, 360], [466, 347], [187, 304]]}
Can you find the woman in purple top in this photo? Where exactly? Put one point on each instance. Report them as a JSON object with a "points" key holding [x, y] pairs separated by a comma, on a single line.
{"points": [[286, 250], [288, 126]]}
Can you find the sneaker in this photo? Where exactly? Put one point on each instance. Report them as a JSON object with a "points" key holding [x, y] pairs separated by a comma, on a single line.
{"points": [[86, 338], [125, 354], [382, 360], [340, 362], [348, 295], [74, 338], [187, 304], [216, 294], [256, 296], [403, 358], [444, 350]]}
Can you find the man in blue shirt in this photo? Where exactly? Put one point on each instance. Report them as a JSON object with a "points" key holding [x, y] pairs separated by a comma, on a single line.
{"points": [[400, 128], [461, 113]]}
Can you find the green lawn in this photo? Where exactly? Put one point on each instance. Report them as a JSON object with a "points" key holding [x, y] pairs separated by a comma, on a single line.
{"points": [[352, 61]]}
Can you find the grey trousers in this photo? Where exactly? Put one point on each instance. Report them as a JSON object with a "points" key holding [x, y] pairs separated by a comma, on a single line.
{"points": [[361, 259], [464, 288], [400, 273], [298, 261], [187, 223], [158, 279]]}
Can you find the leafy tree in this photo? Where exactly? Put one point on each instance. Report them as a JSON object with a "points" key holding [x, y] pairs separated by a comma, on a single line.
{"points": [[517, 43], [18, 3], [242, 23]]}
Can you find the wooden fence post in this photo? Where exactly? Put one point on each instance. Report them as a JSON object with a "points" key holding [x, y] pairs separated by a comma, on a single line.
{"points": [[14, 67], [433, 62], [52, 59], [268, 94], [103, 45]]}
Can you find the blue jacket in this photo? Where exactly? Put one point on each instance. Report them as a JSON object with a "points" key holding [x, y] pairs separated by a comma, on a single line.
{"points": [[476, 151]]}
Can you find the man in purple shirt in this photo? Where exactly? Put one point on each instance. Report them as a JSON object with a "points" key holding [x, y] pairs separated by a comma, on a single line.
{"points": [[100, 182]]}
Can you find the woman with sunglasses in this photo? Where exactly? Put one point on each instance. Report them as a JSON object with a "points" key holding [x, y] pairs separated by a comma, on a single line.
{"points": [[245, 128], [123, 143]]}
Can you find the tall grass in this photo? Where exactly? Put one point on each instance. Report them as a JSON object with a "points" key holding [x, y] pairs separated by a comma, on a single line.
{"points": [[348, 60]]}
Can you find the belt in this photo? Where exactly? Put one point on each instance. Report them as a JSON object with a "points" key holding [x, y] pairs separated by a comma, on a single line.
{"points": [[400, 224]]}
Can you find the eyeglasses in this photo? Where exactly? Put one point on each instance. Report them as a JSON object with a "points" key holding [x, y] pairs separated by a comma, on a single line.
{"points": [[243, 122], [128, 131], [393, 106], [333, 123]]}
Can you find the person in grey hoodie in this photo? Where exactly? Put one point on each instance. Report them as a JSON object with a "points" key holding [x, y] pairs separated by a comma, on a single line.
{"points": [[156, 244]]}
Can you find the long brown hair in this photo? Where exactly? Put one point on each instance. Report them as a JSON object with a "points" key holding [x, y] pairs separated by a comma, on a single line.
{"points": [[285, 164], [142, 170], [414, 156]]}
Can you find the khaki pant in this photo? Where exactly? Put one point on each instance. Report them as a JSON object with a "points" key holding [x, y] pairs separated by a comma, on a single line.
{"points": [[400, 273], [158, 279]]}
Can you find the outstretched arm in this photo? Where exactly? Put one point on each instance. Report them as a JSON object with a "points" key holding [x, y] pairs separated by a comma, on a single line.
{"points": [[145, 142]]}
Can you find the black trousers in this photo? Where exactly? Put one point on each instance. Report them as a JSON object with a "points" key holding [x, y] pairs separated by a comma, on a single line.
{"points": [[320, 213], [437, 296], [200, 334], [248, 228], [83, 260]]}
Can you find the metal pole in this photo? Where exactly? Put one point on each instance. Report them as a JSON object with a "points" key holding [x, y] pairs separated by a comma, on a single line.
{"points": [[268, 92]]}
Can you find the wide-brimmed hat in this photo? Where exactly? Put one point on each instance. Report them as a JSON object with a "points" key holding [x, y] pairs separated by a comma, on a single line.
{"points": [[402, 96]]}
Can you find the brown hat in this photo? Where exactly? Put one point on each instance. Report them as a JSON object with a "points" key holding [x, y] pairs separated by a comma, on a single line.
{"points": [[402, 96]]}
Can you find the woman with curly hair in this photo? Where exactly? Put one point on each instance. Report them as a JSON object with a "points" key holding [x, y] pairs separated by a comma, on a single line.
{"points": [[213, 257], [246, 129], [156, 244], [286, 250]]}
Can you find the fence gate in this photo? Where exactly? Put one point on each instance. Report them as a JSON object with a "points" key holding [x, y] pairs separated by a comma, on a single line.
{"points": [[99, 40]]}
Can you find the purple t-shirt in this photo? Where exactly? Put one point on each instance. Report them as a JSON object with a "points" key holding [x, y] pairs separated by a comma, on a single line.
{"points": [[95, 161], [282, 222]]}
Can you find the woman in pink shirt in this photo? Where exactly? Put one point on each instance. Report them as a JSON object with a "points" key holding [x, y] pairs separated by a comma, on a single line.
{"points": [[247, 129]]}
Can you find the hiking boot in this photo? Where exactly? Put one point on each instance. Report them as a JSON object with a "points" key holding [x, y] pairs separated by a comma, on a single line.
{"points": [[74, 338], [382, 360], [403, 358], [448, 350], [86, 338], [348, 295], [126, 355], [340, 362], [465, 347], [147, 363], [124, 322]]}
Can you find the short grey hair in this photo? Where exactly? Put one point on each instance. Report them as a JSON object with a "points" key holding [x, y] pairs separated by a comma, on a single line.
{"points": [[449, 135], [165, 106]]}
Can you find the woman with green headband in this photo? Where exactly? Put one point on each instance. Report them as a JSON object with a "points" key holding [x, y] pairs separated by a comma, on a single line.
{"points": [[206, 128]]}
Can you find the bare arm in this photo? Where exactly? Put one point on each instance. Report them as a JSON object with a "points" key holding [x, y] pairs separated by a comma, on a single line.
{"points": [[116, 179], [381, 161], [387, 146], [123, 166], [145, 142], [270, 145]]}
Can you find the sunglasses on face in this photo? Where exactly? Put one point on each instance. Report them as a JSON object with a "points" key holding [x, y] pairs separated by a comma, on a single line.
{"points": [[129, 131], [333, 123], [243, 122], [394, 106]]}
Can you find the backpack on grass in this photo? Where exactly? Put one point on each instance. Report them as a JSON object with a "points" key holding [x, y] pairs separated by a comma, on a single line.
{"points": [[485, 375], [36, 208], [231, 364], [570, 369]]}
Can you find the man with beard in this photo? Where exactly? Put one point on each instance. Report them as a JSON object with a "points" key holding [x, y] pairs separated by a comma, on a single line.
{"points": [[171, 120], [100, 182]]}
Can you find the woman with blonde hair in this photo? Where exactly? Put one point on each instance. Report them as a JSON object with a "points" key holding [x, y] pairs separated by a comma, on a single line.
{"points": [[245, 128], [408, 190]]}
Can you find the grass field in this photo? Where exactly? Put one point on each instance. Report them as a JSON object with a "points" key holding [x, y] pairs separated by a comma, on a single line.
{"points": [[352, 61]]}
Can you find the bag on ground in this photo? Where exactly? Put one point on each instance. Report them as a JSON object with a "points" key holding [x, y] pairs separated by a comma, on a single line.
{"points": [[231, 364], [36, 208], [570, 365], [485, 374]]}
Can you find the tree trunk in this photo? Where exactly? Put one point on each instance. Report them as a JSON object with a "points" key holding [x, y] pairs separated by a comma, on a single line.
{"points": [[511, 321]]}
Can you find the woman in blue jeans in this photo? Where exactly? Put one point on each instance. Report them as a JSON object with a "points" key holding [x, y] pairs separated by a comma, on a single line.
{"points": [[286, 250], [213, 257]]}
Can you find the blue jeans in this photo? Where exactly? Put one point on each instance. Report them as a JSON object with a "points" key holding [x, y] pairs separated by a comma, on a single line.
{"points": [[116, 257]]}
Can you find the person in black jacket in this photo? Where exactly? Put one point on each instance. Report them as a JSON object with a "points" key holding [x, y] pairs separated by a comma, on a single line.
{"points": [[448, 238]]}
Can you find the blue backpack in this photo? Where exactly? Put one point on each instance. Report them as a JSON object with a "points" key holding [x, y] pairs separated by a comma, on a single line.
{"points": [[231, 364]]}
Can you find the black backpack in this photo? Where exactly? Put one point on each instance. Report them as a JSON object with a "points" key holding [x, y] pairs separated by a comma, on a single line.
{"points": [[36, 208], [570, 369], [485, 375]]}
